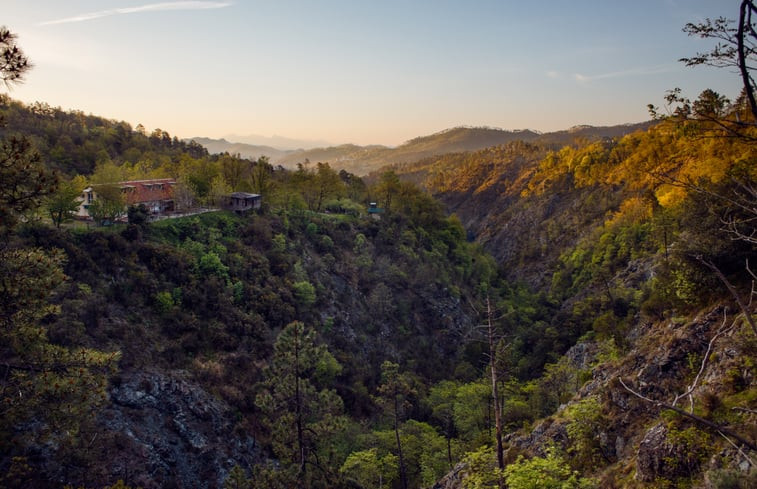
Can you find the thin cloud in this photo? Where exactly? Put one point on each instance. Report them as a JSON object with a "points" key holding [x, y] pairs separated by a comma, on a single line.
{"points": [[643, 71], [153, 7]]}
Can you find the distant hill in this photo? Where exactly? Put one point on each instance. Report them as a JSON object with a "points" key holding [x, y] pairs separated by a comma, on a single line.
{"points": [[353, 158], [568, 136], [280, 142], [459, 139], [246, 150], [362, 160]]}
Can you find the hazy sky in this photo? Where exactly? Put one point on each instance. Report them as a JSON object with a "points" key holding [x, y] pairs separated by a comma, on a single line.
{"points": [[380, 71]]}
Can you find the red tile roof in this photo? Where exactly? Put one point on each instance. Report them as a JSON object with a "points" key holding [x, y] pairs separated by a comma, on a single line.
{"points": [[141, 191]]}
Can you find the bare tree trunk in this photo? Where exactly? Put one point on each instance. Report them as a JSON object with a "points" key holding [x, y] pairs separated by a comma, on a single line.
{"points": [[733, 291], [449, 452], [703, 421], [495, 392], [745, 22], [298, 410], [403, 472], [688, 393]]}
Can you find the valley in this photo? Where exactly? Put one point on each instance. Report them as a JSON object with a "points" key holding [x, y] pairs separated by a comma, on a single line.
{"points": [[585, 253], [475, 308]]}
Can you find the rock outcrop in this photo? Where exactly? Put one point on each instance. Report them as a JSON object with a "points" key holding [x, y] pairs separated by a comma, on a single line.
{"points": [[636, 441], [172, 433]]}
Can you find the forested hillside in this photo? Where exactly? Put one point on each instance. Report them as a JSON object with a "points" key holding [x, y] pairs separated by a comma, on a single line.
{"points": [[75, 143], [627, 238], [169, 343], [532, 314], [191, 326], [365, 159]]}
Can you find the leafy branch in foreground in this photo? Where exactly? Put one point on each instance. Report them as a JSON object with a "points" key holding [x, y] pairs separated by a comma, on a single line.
{"points": [[736, 47], [40, 380], [13, 62]]}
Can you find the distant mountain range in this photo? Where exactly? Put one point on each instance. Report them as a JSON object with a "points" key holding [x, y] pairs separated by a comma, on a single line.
{"points": [[280, 142], [246, 150], [361, 160]]}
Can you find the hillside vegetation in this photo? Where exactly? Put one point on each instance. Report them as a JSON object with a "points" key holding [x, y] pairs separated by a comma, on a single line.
{"points": [[635, 241], [583, 318], [206, 341]]}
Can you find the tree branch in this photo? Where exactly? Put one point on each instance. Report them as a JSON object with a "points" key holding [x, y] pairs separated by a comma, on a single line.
{"points": [[745, 410], [703, 421], [722, 330], [732, 290], [743, 454], [745, 20]]}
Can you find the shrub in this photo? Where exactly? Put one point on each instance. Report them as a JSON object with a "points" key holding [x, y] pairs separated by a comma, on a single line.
{"points": [[210, 264], [550, 472], [586, 422], [304, 292], [164, 302], [482, 469]]}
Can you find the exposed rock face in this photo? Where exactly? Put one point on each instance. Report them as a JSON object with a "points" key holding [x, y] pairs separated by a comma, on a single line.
{"points": [[172, 433], [582, 354], [544, 434], [454, 479], [659, 457], [653, 449], [661, 364]]}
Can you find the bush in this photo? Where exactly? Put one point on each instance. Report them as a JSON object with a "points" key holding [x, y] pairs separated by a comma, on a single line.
{"points": [[550, 472], [482, 469], [164, 302], [210, 264], [586, 423], [368, 469], [732, 479], [304, 292]]}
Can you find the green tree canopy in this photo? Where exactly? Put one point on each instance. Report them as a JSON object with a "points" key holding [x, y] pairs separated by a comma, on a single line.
{"points": [[63, 203], [300, 412], [109, 203]]}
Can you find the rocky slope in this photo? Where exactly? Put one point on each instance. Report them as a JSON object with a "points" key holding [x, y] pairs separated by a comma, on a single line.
{"points": [[637, 442], [170, 431]]}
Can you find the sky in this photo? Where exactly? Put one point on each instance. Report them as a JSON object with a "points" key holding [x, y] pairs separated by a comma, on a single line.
{"points": [[361, 71]]}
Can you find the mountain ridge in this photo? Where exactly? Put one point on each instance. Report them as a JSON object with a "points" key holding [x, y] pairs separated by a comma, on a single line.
{"points": [[362, 159]]}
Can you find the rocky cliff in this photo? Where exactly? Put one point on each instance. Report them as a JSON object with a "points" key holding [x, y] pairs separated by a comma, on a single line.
{"points": [[160, 429], [703, 365]]}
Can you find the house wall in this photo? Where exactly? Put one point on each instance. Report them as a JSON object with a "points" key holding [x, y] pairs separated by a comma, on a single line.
{"points": [[152, 195], [85, 199]]}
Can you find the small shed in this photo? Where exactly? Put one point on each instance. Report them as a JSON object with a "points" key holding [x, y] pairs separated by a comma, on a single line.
{"points": [[242, 202], [374, 210]]}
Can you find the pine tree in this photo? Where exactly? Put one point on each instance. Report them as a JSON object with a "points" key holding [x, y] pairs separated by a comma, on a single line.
{"points": [[394, 398], [300, 411]]}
